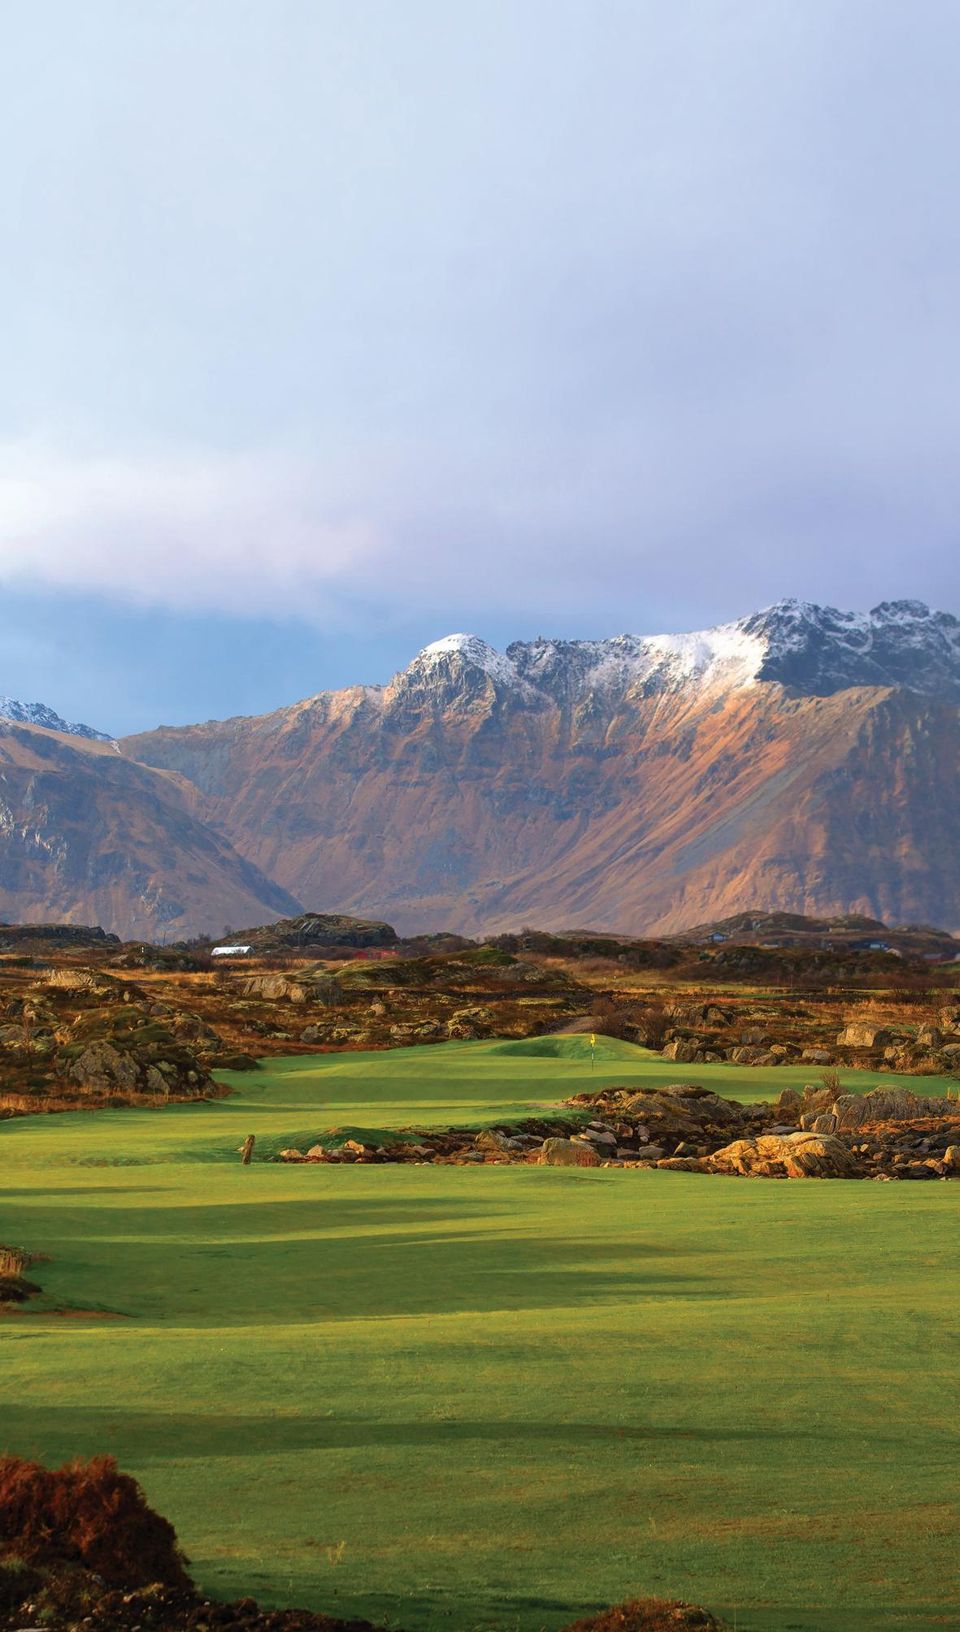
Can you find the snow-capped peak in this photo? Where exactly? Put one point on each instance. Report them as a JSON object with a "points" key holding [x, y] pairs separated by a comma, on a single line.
{"points": [[471, 650], [813, 649], [40, 714]]}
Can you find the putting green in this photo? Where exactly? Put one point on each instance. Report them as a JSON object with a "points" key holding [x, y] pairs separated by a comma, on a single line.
{"points": [[493, 1397]]}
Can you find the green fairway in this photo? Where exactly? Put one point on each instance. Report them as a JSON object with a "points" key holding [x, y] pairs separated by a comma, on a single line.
{"points": [[494, 1397]]}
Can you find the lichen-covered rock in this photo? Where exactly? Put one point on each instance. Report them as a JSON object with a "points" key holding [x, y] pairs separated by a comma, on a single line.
{"points": [[92, 981], [567, 1153], [102, 1068], [465, 1025], [683, 1050], [863, 1034], [885, 1105], [276, 988], [491, 1139], [930, 1037]]}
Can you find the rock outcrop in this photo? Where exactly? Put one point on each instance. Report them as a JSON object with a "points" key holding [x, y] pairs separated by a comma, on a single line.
{"points": [[788, 1156]]}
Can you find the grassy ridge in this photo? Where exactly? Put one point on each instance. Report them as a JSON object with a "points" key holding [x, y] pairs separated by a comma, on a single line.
{"points": [[376, 1388]]}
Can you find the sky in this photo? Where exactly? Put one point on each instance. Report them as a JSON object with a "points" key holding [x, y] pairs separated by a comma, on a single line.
{"points": [[332, 326]]}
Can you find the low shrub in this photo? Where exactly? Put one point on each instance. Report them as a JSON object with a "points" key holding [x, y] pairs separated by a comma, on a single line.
{"points": [[86, 1513]]}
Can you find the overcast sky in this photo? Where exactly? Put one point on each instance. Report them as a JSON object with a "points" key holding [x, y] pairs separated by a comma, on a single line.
{"points": [[331, 326]]}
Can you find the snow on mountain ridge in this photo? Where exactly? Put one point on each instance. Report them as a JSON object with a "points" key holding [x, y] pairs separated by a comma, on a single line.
{"points": [[40, 714], [474, 651], [797, 643]]}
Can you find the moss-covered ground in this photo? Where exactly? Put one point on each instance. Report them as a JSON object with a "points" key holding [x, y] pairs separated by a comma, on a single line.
{"points": [[493, 1397]]}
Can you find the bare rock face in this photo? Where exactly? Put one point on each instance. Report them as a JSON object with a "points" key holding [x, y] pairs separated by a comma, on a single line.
{"points": [[790, 1156], [567, 1153]]}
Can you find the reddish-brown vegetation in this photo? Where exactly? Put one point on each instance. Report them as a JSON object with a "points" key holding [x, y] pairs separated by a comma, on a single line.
{"points": [[649, 1615], [86, 1513]]}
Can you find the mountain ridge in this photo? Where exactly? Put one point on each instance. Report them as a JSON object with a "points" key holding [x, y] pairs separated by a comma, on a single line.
{"points": [[802, 756], [650, 782]]}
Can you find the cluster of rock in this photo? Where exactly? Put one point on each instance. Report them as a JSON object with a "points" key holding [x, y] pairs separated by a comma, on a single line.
{"points": [[68, 1598], [457, 1147], [703, 1033], [683, 1128], [399, 1002], [887, 1133], [82, 1035]]}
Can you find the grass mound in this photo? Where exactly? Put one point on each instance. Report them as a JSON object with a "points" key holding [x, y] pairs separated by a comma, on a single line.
{"points": [[573, 1046]]}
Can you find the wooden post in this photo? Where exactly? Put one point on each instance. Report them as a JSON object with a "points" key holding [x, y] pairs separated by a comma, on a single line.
{"points": [[246, 1149]]}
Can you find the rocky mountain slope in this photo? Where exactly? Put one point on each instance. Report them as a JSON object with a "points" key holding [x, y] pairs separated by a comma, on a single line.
{"points": [[89, 836], [803, 758]]}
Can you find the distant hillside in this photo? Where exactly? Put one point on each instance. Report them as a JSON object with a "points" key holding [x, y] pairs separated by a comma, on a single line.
{"points": [[86, 834], [841, 933]]}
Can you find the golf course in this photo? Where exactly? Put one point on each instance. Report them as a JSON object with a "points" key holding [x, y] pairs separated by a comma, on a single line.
{"points": [[373, 1389]]}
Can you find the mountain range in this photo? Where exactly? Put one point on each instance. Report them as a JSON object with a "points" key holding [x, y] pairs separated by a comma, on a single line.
{"points": [[802, 759]]}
